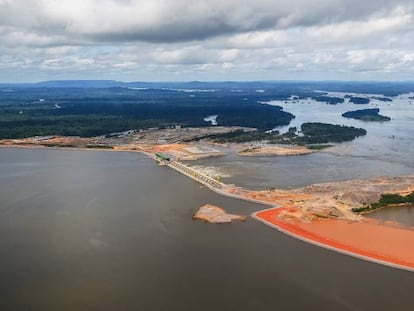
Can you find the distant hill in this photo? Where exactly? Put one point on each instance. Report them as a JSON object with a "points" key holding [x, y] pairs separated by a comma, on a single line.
{"points": [[66, 84], [153, 85], [79, 84], [292, 87]]}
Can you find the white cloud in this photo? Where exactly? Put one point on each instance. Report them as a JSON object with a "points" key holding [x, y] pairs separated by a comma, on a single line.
{"points": [[236, 39]]}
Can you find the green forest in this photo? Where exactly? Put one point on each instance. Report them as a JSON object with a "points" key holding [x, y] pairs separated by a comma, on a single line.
{"points": [[386, 200], [92, 112], [91, 108], [314, 135]]}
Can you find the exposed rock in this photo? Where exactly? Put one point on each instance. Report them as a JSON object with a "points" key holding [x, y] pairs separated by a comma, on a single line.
{"points": [[216, 215]]}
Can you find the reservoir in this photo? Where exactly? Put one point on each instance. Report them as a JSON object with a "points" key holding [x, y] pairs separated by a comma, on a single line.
{"points": [[87, 230]]}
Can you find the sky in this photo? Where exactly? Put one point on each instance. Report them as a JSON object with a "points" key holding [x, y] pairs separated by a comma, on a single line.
{"points": [[185, 40]]}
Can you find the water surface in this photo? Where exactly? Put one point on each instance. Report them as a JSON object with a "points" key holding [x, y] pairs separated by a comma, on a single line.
{"points": [[403, 215], [386, 150], [85, 230]]}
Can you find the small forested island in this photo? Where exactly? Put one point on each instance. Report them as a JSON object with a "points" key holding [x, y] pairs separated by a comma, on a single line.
{"points": [[366, 115], [383, 99], [359, 100], [329, 100]]}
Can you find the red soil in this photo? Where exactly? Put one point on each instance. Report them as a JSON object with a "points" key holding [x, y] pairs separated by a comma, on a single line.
{"points": [[376, 241]]}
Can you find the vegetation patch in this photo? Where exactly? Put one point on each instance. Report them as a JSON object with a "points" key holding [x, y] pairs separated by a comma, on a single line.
{"points": [[323, 133], [383, 99], [359, 100], [91, 112], [328, 99], [315, 135], [319, 147], [386, 200], [240, 136]]}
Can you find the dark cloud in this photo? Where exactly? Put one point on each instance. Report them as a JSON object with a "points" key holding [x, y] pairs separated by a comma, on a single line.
{"points": [[179, 20]]}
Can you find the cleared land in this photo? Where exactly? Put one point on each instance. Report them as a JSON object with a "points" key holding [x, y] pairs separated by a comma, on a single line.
{"points": [[179, 143], [334, 199], [274, 151]]}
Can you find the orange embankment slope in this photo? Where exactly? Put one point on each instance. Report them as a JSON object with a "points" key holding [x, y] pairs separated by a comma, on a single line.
{"points": [[369, 240]]}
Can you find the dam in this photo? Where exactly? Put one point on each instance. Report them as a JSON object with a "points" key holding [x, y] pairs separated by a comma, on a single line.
{"points": [[208, 181]]}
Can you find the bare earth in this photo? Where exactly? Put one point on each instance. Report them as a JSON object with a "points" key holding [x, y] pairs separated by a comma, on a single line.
{"points": [[274, 151], [334, 199]]}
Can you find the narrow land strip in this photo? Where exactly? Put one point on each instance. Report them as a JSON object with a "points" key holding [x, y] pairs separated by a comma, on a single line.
{"points": [[368, 240]]}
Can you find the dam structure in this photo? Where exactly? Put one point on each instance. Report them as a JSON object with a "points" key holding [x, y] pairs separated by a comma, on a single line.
{"points": [[201, 178], [198, 176], [208, 181]]}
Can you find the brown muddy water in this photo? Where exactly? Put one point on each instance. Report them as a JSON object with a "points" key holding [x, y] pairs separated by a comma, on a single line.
{"points": [[85, 230]]}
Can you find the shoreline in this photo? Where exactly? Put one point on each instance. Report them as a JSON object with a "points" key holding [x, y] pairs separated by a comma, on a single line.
{"points": [[64, 148], [75, 148], [295, 232]]}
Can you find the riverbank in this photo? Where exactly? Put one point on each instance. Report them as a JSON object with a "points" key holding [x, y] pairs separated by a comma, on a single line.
{"points": [[179, 151]]}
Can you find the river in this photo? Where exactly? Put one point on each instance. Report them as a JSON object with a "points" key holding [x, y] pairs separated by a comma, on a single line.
{"points": [[88, 230], [386, 150]]}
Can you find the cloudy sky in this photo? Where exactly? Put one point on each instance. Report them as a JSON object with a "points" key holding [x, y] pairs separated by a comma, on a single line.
{"points": [[160, 40]]}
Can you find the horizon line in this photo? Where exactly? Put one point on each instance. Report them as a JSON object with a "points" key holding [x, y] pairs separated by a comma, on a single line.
{"points": [[209, 81]]}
